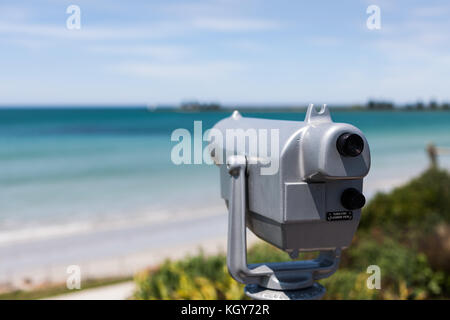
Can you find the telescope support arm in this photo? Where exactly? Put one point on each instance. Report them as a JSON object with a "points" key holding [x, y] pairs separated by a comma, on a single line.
{"points": [[278, 276], [237, 234]]}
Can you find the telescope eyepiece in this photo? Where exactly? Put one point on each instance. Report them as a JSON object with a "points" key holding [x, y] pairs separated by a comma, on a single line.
{"points": [[352, 199], [350, 144]]}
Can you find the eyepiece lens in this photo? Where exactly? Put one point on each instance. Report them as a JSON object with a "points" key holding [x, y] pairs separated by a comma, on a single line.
{"points": [[350, 144]]}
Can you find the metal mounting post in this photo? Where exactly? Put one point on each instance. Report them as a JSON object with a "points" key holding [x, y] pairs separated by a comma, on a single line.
{"points": [[287, 280]]}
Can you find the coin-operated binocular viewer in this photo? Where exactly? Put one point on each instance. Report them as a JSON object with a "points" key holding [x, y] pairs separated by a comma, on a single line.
{"points": [[312, 202]]}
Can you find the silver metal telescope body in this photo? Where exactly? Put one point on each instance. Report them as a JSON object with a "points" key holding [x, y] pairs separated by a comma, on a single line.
{"points": [[312, 202]]}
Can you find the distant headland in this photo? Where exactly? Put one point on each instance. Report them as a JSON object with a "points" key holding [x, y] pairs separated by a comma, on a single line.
{"points": [[371, 105]]}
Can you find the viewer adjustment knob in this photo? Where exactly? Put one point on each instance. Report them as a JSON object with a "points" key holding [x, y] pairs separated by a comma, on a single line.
{"points": [[350, 144], [352, 199]]}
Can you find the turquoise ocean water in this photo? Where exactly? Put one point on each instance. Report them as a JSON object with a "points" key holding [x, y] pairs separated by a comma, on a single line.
{"points": [[81, 168]]}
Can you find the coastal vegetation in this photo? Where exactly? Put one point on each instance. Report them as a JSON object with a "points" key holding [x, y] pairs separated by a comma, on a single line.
{"points": [[371, 105], [406, 232]]}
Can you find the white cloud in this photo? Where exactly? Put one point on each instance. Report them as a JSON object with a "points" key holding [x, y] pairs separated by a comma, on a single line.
{"points": [[324, 41], [246, 45], [13, 13], [431, 11], [227, 24], [28, 43], [208, 8], [403, 51], [160, 52], [205, 70], [416, 67], [157, 30], [92, 32]]}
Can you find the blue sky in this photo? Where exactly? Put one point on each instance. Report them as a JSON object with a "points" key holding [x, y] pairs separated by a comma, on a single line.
{"points": [[229, 51]]}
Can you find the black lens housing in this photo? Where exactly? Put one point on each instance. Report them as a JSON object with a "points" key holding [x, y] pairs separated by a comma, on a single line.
{"points": [[350, 144], [352, 199]]}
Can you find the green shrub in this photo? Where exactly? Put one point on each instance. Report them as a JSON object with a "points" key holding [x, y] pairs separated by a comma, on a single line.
{"points": [[419, 205], [197, 277], [346, 284], [405, 272]]}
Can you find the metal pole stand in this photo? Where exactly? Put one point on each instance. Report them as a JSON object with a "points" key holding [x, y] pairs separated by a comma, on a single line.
{"points": [[292, 280]]}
